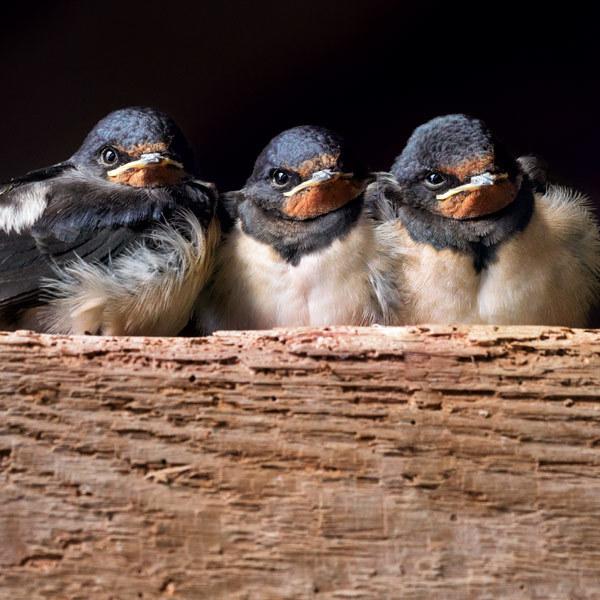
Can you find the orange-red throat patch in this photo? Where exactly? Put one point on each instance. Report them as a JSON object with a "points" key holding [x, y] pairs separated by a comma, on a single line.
{"points": [[323, 198], [152, 175], [482, 201]]}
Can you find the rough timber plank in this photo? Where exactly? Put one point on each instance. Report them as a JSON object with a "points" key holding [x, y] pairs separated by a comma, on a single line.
{"points": [[445, 462]]}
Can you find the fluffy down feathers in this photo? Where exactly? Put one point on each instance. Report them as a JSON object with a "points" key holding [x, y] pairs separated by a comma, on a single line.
{"points": [[149, 289]]}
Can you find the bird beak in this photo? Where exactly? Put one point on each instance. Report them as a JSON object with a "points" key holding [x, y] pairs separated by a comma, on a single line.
{"points": [[477, 182], [318, 178], [324, 192], [485, 194], [152, 160], [149, 170]]}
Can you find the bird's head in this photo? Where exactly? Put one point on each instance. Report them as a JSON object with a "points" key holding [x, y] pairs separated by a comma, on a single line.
{"points": [[454, 167], [138, 147], [303, 174]]}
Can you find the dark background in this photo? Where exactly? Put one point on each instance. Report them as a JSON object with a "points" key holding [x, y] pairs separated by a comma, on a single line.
{"points": [[234, 74]]}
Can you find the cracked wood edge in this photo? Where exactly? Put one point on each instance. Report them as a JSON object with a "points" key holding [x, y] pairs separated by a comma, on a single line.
{"points": [[414, 462]]}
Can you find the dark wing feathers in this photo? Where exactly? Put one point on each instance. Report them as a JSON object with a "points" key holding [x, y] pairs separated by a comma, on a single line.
{"points": [[20, 263], [32, 177], [26, 262], [85, 219]]}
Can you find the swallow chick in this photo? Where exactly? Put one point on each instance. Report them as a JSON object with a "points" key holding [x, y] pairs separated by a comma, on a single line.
{"points": [[484, 238], [303, 250], [117, 240]]}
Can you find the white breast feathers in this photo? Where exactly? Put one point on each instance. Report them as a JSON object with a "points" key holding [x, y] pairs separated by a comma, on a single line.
{"points": [[350, 282]]}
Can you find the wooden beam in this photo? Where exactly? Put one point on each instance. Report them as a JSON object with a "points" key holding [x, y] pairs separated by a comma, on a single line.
{"points": [[422, 462]]}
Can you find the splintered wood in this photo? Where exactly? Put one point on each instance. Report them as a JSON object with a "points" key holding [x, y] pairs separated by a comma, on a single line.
{"points": [[442, 462]]}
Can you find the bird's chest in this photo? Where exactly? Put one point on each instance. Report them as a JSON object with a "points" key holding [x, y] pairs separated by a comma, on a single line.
{"points": [[309, 293], [517, 285], [325, 287], [442, 286], [531, 281], [446, 287]]}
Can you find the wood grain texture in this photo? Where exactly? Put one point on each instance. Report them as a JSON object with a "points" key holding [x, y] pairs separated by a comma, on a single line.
{"points": [[441, 462]]}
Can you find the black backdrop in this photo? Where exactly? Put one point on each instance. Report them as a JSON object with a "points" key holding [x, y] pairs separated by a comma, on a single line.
{"points": [[235, 73]]}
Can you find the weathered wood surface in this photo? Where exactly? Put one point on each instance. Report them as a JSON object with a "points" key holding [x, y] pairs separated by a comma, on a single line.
{"points": [[354, 463]]}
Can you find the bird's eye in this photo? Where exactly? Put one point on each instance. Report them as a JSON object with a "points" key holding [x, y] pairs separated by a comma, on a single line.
{"points": [[109, 156], [280, 178], [434, 180]]}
